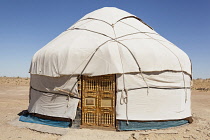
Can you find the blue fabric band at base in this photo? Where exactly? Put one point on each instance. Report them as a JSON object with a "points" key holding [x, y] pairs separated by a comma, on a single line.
{"points": [[32, 119], [132, 125]]}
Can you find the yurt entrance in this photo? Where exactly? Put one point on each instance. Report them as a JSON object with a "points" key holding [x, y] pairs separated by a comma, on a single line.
{"points": [[98, 101]]}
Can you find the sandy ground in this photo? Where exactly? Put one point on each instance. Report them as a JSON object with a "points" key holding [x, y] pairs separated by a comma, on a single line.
{"points": [[14, 99], [201, 84]]}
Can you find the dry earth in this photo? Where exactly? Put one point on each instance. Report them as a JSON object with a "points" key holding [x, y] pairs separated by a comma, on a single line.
{"points": [[201, 84], [14, 99]]}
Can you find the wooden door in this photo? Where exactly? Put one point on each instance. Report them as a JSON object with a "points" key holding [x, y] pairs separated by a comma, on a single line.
{"points": [[98, 101]]}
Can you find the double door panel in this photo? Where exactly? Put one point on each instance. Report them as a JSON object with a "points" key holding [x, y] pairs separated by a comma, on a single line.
{"points": [[98, 101]]}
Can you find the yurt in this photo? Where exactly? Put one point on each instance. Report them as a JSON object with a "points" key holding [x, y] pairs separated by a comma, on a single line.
{"points": [[111, 71]]}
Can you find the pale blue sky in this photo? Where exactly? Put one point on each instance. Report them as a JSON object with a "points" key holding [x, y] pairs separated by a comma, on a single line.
{"points": [[27, 25]]}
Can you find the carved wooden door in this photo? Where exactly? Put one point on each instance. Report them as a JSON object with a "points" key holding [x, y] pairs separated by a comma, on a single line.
{"points": [[98, 101]]}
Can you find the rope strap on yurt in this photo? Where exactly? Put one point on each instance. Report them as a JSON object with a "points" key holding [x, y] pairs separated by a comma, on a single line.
{"points": [[124, 100], [66, 93]]}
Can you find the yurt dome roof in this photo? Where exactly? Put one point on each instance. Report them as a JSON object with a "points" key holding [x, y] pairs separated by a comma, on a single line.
{"points": [[109, 41]]}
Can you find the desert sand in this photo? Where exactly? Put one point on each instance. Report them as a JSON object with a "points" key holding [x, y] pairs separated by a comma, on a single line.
{"points": [[14, 98]]}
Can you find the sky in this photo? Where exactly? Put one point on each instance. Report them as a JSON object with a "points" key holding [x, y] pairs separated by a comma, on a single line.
{"points": [[27, 25]]}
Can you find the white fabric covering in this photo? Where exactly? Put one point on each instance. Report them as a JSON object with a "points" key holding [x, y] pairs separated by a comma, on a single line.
{"points": [[52, 84], [153, 79], [153, 103], [51, 104], [158, 104]]}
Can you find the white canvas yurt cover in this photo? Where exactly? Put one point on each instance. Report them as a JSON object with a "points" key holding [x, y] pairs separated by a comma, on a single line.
{"points": [[152, 74]]}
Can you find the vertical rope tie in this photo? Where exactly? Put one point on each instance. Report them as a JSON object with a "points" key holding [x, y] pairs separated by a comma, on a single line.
{"points": [[185, 89], [126, 103], [124, 100], [145, 82], [185, 95]]}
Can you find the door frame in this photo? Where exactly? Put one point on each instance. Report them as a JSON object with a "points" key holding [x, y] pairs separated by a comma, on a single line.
{"points": [[114, 109]]}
